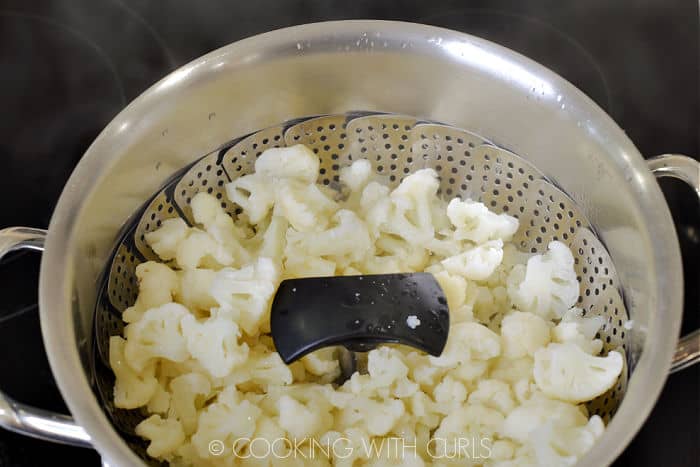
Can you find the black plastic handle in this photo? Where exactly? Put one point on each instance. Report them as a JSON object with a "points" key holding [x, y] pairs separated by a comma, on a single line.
{"points": [[359, 312]]}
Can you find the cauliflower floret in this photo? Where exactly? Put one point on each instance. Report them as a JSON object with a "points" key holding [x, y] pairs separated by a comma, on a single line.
{"points": [[164, 241], [494, 394], [200, 249], [322, 362], [449, 394], [566, 372], [253, 193], [132, 389], [156, 335], [375, 207], [227, 419], [455, 288], [522, 333], [306, 207], [245, 294], [274, 239], [160, 401], [296, 162], [412, 203], [157, 286], [165, 435], [512, 370], [300, 420], [189, 392], [267, 368], [473, 422], [347, 239], [385, 366], [207, 211], [377, 418], [538, 411], [474, 222], [562, 445], [213, 342], [580, 330], [299, 265], [356, 177], [548, 286], [468, 341], [195, 289], [477, 263]]}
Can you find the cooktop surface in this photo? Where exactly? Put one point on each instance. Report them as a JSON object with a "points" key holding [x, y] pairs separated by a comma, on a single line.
{"points": [[69, 67]]}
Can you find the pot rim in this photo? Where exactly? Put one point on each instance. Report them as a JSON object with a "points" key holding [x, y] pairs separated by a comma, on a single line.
{"points": [[55, 286]]}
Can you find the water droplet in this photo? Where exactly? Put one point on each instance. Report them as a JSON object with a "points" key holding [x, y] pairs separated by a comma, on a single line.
{"points": [[563, 106], [299, 46], [559, 98], [165, 132], [212, 115], [294, 289]]}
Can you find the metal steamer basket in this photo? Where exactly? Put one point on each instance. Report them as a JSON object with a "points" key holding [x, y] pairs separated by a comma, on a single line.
{"points": [[536, 148]]}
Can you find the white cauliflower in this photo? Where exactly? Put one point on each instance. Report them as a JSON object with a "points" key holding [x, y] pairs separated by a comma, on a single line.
{"points": [[229, 418], [477, 263], [495, 394], [474, 222], [200, 249], [197, 358], [375, 207], [296, 162], [195, 289], [356, 177], [245, 294], [347, 238], [580, 330], [306, 207], [166, 435], [411, 217], [274, 239], [522, 333], [157, 286], [563, 445], [213, 342], [301, 421], [167, 237], [467, 341], [455, 288], [536, 412], [548, 286], [254, 194], [189, 391], [566, 372], [131, 389], [207, 211], [156, 335]]}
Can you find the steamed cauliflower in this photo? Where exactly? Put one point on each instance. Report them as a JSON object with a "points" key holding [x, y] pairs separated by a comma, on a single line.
{"points": [[197, 359], [548, 285]]}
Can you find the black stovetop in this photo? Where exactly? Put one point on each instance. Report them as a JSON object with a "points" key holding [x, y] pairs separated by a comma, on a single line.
{"points": [[68, 67]]}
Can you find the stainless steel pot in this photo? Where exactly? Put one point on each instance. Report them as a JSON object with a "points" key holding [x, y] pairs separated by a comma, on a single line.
{"points": [[329, 68]]}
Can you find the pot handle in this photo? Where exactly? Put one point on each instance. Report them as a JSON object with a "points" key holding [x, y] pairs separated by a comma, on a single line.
{"points": [[687, 169], [18, 417]]}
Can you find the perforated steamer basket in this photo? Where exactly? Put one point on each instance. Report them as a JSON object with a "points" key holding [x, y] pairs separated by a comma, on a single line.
{"points": [[576, 178]]}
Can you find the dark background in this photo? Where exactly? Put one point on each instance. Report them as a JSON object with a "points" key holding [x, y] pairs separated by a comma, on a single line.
{"points": [[67, 67]]}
